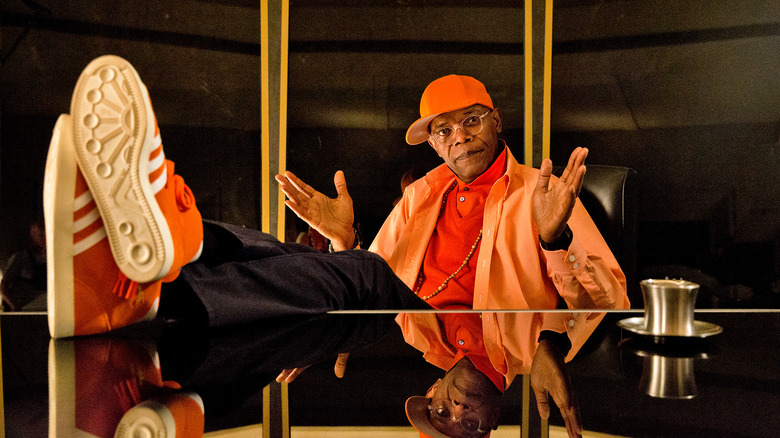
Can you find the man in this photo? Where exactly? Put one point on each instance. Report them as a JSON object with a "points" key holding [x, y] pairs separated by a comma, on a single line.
{"points": [[484, 232]]}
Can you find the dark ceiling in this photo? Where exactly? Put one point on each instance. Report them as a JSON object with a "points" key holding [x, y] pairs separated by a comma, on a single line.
{"points": [[617, 65]]}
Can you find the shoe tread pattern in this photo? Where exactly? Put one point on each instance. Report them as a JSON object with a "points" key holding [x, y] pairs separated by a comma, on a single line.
{"points": [[110, 129]]}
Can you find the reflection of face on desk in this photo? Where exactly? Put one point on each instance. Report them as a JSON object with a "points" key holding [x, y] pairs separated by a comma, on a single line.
{"points": [[464, 391]]}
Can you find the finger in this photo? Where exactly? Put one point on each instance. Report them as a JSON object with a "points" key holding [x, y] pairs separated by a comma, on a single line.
{"points": [[569, 165], [545, 170], [571, 430], [542, 403], [290, 374], [294, 198], [576, 183], [296, 372], [302, 187], [341, 365], [576, 163], [283, 375], [340, 181], [572, 422], [289, 190], [569, 411]]}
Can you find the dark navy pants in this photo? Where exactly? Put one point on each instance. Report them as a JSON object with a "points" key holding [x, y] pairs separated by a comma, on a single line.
{"points": [[246, 276]]}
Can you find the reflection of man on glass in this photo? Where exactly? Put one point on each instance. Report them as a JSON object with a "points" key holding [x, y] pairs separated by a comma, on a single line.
{"points": [[482, 231]]}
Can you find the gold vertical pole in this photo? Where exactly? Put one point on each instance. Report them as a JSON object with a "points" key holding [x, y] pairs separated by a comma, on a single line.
{"points": [[265, 124], [548, 22], [274, 26], [276, 415], [525, 418], [267, 410], [283, 114], [274, 16]]}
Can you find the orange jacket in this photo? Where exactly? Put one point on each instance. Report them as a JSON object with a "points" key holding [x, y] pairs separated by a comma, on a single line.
{"points": [[513, 271]]}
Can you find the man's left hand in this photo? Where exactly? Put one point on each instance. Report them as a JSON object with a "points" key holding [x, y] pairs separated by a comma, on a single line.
{"points": [[290, 374], [553, 202], [549, 377], [331, 217]]}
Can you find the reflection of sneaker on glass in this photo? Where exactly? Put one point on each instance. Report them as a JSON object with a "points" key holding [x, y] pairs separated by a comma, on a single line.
{"points": [[87, 293], [178, 415], [149, 213], [94, 381]]}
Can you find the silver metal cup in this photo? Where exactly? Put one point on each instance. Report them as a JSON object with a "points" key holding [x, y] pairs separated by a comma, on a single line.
{"points": [[669, 306], [668, 377]]}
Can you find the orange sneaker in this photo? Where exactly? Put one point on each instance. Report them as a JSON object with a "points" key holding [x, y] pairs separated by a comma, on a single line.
{"points": [[95, 381], [152, 223], [87, 293], [178, 415]]}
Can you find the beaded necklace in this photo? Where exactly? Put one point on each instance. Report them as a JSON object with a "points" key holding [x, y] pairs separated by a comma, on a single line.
{"points": [[421, 276]]}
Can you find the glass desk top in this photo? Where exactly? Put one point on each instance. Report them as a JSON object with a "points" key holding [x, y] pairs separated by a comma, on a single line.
{"points": [[626, 384]]}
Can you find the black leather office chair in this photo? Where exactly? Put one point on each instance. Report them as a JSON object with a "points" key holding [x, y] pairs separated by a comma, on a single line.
{"points": [[609, 196]]}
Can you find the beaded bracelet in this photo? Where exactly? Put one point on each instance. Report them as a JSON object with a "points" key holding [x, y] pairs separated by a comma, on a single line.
{"points": [[354, 246]]}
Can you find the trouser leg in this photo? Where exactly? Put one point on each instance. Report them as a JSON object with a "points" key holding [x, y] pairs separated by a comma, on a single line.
{"points": [[255, 277]]}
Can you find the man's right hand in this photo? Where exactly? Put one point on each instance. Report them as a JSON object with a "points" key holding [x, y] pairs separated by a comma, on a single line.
{"points": [[332, 217], [549, 377]]}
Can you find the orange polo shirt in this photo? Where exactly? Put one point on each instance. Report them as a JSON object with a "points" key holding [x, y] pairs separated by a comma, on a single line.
{"points": [[456, 233], [463, 333]]}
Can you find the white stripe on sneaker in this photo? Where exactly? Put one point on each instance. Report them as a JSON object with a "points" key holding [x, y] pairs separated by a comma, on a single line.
{"points": [[89, 241], [87, 220], [160, 182], [156, 162], [83, 199]]}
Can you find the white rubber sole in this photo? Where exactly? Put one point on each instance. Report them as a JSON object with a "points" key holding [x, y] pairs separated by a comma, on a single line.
{"points": [[152, 418], [59, 186], [62, 388], [113, 130], [148, 418]]}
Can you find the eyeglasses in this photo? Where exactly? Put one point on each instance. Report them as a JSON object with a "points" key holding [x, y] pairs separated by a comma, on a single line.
{"points": [[469, 421], [471, 125]]}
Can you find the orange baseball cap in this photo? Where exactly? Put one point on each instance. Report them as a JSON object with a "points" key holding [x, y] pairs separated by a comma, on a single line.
{"points": [[449, 93]]}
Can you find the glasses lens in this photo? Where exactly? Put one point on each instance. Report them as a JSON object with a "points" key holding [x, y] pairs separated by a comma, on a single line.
{"points": [[440, 410], [471, 125], [470, 424]]}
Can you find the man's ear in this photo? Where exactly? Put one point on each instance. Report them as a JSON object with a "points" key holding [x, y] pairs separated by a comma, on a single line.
{"points": [[496, 115], [432, 389]]}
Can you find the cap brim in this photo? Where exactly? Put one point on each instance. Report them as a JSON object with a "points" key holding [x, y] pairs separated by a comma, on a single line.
{"points": [[417, 413], [418, 132]]}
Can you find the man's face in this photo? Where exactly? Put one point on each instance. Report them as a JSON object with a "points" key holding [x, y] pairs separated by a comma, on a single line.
{"points": [[467, 395], [469, 156]]}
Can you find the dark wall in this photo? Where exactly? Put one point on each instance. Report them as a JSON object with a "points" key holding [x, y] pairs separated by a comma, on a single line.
{"points": [[686, 95]]}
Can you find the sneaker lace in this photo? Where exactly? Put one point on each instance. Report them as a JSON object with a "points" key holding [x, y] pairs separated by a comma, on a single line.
{"points": [[125, 287]]}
